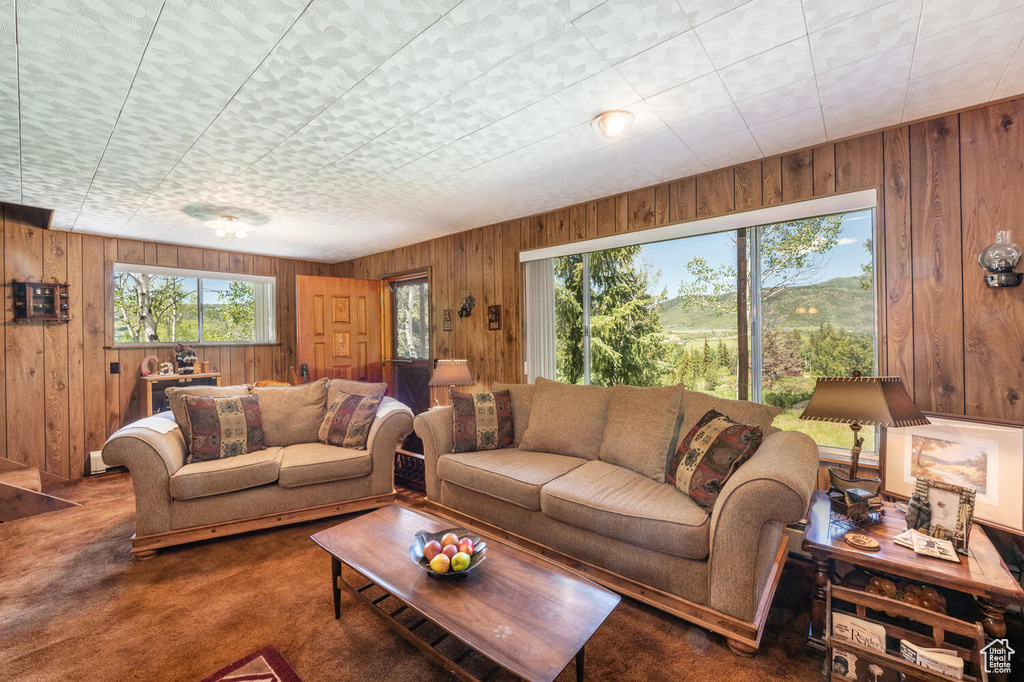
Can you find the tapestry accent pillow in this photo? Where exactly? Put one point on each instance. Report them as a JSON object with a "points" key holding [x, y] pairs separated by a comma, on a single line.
{"points": [[348, 420], [713, 449], [482, 421], [222, 427]]}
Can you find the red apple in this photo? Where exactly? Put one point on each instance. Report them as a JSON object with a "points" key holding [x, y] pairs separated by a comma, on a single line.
{"points": [[466, 546], [449, 539], [440, 564], [431, 549], [450, 551]]}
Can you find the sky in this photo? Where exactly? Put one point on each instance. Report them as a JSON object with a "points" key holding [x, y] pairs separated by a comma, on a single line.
{"points": [[670, 258]]}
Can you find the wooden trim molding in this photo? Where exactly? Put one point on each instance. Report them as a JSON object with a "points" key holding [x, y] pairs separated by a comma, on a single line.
{"points": [[147, 546], [743, 637]]}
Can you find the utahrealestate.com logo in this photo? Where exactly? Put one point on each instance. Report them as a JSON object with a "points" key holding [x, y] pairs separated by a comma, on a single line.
{"points": [[997, 656]]}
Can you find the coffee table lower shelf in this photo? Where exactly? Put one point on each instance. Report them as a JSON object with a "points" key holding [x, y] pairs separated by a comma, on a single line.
{"points": [[427, 646]]}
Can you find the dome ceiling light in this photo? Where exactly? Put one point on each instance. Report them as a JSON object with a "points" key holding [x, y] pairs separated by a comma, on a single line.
{"points": [[611, 124], [227, 226]]}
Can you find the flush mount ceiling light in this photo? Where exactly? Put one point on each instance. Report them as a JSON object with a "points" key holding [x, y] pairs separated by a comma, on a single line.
{"points": [[611, 123], [226, 226]]}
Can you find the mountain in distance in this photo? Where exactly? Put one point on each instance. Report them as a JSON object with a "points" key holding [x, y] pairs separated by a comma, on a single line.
{"points": [[840, 301]]}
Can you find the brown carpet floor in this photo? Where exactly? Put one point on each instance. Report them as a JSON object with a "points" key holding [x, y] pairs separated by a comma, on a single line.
{"points": [[74, 605]]}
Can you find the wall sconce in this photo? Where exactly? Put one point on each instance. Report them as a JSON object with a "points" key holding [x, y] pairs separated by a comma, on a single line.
{"points": [[466, 305], [999, 260]]}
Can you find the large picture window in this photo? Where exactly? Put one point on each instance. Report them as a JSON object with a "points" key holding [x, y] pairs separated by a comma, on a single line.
{"points": [[165, 305], [755, 313]]}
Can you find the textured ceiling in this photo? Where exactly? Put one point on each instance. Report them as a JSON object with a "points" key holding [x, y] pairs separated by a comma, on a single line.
{"points": [[358, 126]]}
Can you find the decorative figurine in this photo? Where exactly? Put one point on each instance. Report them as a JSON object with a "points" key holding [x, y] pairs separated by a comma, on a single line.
{"points": [[186, 358]]}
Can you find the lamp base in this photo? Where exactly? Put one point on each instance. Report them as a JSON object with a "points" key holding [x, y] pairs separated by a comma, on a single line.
{"points": [[842, 481]]}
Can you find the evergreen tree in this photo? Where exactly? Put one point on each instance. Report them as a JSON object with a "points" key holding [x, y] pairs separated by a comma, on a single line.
{"points": [[835, 351]]}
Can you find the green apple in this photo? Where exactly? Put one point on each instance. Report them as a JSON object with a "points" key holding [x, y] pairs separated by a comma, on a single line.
{"points": [[460, 562]]}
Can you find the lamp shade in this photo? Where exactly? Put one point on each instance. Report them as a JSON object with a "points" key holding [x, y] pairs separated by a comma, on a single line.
{"points": [[869, 401], [451, 373]]}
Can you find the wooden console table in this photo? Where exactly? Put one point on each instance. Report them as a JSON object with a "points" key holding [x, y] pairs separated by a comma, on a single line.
{"points": [[981, 574]]}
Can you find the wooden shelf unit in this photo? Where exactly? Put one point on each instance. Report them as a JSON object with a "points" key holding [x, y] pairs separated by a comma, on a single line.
{"points": [[870, 607], [40, 301], [154, 386]]}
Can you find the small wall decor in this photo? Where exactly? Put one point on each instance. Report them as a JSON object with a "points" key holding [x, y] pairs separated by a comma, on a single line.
{"points": [[983, 455], [999, 260], [446, 320], [494, 317], [186, 357], [467, 304], [46, 302], [942, 511], [149, 365]]}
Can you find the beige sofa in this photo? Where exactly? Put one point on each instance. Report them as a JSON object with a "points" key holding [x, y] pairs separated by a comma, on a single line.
{"points": [[296, 478], [643, 538]]}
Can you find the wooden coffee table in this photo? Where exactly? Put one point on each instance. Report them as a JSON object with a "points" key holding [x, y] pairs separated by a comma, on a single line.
{"points": [[521, 612]]}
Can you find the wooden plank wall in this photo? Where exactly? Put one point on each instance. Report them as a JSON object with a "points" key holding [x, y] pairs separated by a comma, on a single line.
{"points": [[944, 185], [59, 400]]}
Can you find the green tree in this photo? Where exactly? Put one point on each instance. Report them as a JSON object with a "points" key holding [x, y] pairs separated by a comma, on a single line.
{"points": [[627, 342], [151, 308], [834, 351], [780, 357], [867, 277], [722, 355]]}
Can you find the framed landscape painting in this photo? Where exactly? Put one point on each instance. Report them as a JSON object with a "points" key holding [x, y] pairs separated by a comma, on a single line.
{"points": [[985, 456]]}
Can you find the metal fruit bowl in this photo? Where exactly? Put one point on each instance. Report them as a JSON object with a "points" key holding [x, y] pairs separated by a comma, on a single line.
{"points": [[423, 537]]}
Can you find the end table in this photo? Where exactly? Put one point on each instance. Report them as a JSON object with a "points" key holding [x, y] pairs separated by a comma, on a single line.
{"points": [[982, 573]]}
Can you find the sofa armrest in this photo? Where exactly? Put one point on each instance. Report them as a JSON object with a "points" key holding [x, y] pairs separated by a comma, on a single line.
{"points": [[769, 491], [392, 424], [434, 428], [151, 457]]}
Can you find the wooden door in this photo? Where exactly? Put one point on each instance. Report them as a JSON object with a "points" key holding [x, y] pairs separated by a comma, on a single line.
{"points": [[406, 342], [338, 327]]}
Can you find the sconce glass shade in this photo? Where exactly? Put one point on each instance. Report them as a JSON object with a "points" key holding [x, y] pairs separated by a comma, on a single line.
{"points": [[999, 260]]}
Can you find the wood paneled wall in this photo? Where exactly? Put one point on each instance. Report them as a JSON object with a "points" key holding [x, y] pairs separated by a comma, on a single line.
{"points": [[944, 187], [60, 400]]}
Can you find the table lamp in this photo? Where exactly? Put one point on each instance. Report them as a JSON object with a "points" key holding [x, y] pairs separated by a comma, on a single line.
{"points": [[861, 401], [451, 373]]}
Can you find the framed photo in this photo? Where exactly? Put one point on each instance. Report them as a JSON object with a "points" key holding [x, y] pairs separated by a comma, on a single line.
{"points": [[985, 456], [942, 510], [494, 317], [446, 319]]}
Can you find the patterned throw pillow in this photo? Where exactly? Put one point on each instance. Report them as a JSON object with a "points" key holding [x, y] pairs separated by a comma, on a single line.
{"points": [[348, 420], [482, 421], [222, 427], [715, 447]]}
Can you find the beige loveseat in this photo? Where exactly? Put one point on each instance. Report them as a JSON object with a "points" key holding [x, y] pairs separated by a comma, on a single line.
{"points": [[296, 478], [625, 529]]}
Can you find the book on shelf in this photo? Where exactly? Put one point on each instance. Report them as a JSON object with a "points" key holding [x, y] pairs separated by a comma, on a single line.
{"points": [[849, 666], [943, 661]]}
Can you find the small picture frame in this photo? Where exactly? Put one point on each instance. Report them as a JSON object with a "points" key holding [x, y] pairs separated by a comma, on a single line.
{"points": [[494, 317], [942, 510], [446, 319]]}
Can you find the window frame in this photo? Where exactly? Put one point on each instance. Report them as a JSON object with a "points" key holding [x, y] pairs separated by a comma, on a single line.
{"points": [[264, 301], [419, 280], [752, 221]]}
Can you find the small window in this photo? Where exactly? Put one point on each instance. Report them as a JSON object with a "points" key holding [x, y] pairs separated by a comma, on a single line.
{"points": [[412, 318], [164, 305]]}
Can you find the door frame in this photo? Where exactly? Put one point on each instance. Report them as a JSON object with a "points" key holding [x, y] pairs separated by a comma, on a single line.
{"points": [[387, 320]]}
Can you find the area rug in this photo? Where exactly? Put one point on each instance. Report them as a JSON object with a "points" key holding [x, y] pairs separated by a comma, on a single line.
{"points": [[265, 665]]}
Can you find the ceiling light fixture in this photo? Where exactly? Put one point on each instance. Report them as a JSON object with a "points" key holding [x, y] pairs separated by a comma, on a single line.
{"points": [[611, 123], [226, 226]]}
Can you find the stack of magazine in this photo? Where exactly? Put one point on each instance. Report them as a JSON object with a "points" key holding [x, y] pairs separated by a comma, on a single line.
{"points": [[847, 665]]}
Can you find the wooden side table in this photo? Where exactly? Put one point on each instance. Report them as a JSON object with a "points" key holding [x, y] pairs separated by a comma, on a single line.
{"points": [[981, 574], [154, 385]]}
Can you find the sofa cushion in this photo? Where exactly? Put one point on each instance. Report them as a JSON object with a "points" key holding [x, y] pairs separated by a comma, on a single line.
{"points": [[222, 427], [697, 404], [522, 403], [512, 475], [481, 421], [348, 420], [336, 386], [311, 463], [176, 394], [567, 419], [292, 414], [709, 454], [218, 476], [642, 427], [622, 504]]}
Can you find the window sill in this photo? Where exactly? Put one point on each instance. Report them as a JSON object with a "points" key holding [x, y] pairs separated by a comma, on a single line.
{"points": [[833, 456], [205, 344]]}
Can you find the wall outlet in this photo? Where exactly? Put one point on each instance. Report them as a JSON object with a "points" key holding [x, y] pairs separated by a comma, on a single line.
{"points": [[115, 368]]}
